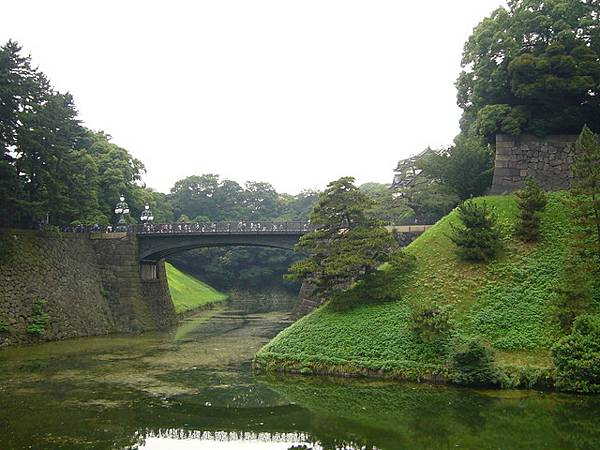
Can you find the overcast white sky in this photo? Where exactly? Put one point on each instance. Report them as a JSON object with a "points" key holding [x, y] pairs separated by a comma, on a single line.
{"points": [[295, 93]]}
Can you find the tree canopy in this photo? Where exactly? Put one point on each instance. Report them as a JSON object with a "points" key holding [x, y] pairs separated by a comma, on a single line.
{"points": [[533, 67]]}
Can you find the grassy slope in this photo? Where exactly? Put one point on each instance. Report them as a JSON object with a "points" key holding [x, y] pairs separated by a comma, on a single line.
{"points": [[507, 303], [188, 292]]}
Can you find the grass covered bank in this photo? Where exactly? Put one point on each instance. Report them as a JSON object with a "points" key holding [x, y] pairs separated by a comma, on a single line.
{"points": [[507, 303], [189, 293]]}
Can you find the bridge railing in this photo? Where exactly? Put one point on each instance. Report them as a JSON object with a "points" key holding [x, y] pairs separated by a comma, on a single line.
{"points": [[237, 227]]}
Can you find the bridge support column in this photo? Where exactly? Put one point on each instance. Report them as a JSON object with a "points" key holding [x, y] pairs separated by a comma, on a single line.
{"points": [[138, 294]]}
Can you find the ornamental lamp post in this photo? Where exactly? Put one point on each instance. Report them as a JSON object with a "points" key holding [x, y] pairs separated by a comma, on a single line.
{"points": [[147, 216], [121, 209]]}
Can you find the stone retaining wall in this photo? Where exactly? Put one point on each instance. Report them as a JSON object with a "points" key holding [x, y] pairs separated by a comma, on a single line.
{"points": [[548, 159], [91, 287]]}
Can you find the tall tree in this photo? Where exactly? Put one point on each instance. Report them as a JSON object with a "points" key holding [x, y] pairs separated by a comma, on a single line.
{"points": [[533, 67], [261, 201], [466, 168], [346, 246], [119, 173], [20, 88]]}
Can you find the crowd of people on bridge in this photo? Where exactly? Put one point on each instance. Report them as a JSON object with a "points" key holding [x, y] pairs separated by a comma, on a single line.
{"points": [[201, 227]]}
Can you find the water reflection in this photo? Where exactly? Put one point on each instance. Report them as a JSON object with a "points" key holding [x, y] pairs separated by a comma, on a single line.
{"points": [[193, 388]]}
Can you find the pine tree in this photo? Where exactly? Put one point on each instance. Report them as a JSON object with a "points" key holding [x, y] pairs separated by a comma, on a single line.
{"points": [[347, 246], [531, 201], [477, 239]]}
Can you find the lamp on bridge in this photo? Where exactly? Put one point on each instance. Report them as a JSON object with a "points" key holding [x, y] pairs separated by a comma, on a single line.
{"points": [[121, 209], [147, 216]]}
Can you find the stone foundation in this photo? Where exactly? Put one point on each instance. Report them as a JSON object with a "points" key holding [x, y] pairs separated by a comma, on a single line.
{"points": [[548, 159], [90, 286]]}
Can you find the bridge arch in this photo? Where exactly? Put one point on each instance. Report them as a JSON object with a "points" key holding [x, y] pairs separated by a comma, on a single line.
{"points": [[153, 248]]}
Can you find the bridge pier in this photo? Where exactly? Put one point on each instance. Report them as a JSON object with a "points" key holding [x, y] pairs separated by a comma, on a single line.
{"points": [[137, 293]]}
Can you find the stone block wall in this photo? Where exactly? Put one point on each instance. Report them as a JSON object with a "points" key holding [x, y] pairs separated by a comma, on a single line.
{"points": [[136, 305], [62, 271], [548, 159], [91, 287]]}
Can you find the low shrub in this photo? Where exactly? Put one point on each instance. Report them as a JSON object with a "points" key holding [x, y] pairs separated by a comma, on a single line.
{"points": [[477, 239], [473, 363], [577, 356], [4, 328], [39, 319], [430, 320]]}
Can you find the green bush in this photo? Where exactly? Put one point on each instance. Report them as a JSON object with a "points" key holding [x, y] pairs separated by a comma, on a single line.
{"points": [[531, 201], [577, 356], [473, 363], [430, 320], [39, 319], [4, 327], [478, 239]]}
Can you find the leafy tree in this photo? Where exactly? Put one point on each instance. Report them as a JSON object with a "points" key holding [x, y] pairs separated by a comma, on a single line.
{"points": [[261, 201], [119, 173], [477, 239], [577, 357], [532, 68], [466, 168], [387, 207], [430, 200], [585, 188], [195, 195], [347, 246], [531, 201], [298, 207]]}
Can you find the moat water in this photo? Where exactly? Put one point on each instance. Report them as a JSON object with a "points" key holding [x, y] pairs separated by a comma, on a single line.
{"points": [[193, 388]]}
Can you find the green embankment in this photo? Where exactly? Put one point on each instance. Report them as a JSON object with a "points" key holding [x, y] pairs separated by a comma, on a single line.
{"points": [[189, 293], [507, 303]]}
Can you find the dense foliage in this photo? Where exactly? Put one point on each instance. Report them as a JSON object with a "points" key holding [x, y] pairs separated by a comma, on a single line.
{"points": [[347, 246], [531, 200], [466, 168], [477, 239], [533, 67], [52, 169], [577, 356]]}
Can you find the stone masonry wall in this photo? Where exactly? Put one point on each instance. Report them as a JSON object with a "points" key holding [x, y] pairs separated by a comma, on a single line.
{"points": [[136, 305], [91, 287], [548, 159], [62, 271]]}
